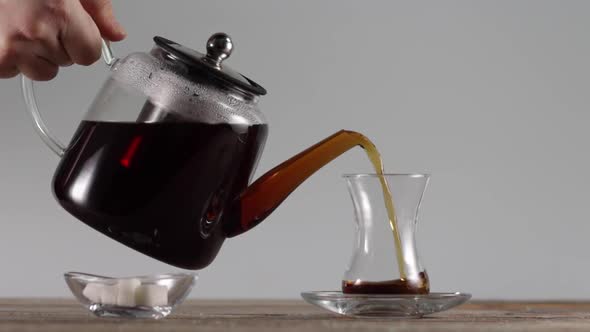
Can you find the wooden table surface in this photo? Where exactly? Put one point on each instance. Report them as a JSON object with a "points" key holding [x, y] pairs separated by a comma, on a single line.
{"points": [[293, 315]]}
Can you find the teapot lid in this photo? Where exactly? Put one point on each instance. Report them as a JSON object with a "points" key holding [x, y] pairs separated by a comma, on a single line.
{"points": [[219, 48]]}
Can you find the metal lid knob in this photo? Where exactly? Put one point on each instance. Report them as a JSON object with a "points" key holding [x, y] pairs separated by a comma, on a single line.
{"points": [[219, 48]]}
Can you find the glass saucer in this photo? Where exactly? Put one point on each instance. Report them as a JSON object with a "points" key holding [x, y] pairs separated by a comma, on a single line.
{"points": [[153, 296], [385, 305]]}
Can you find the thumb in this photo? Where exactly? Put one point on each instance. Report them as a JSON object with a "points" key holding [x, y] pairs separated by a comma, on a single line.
{"points": [[101, 12]]}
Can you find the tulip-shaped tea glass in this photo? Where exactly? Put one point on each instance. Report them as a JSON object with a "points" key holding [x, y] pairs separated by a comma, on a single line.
{"points": [[385, 276], [385, 259]]}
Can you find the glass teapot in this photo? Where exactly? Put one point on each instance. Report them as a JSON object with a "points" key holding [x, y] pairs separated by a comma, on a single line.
{"points": [[163, 159]]}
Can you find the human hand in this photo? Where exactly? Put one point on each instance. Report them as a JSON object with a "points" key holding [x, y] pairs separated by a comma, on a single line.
{"points": [[39, 36]]}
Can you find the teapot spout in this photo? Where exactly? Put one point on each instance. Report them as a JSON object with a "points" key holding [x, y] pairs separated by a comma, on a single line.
{"points": [[263, 196]]}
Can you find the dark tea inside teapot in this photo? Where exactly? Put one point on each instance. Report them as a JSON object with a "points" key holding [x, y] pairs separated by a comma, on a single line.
{"points": [[160, 188], [163, 160]]}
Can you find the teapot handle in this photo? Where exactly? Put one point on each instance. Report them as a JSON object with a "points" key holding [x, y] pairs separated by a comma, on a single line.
{"points": [[29, 96]]}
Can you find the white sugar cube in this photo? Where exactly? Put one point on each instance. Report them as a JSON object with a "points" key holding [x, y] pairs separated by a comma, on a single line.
{"points": [[108, 294], [151, 295], [92, 292], [126, 294]]}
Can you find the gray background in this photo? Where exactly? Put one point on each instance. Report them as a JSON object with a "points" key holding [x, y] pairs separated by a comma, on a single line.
{"points": [[489, 96]]}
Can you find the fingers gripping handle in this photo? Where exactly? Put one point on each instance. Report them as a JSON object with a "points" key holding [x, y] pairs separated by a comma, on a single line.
{"points": [[28, 91]]}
